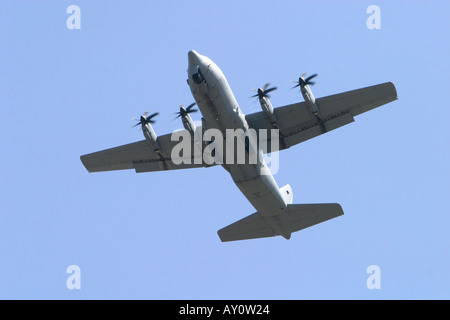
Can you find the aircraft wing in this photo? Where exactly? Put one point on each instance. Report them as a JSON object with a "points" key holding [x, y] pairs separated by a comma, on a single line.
{"points": [[140, 157], [297, 123]]}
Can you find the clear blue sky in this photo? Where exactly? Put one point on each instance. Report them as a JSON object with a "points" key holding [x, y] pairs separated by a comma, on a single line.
{"points": [[64, 93]]}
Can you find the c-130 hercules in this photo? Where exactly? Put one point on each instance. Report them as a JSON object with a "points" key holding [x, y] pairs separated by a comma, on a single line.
{"points": [[295, 123]]}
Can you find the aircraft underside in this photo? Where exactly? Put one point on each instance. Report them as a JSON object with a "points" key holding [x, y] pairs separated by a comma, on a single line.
{"points": [[254, 136]]}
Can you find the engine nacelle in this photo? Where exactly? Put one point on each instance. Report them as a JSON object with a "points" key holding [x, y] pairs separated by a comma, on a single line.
{"points": [[151, 136], [267, 107], [310, 99], [188, 124]]}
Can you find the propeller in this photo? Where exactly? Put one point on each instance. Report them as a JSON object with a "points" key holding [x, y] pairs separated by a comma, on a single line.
{"points": [[303, 82], [146, 119], [184, 112], [263, 92]]}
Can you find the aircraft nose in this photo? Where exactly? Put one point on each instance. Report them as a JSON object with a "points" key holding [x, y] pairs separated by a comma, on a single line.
{"points": [[194, 58]]}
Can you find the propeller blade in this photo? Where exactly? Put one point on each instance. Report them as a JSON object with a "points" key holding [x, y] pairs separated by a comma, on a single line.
{"points": [[152, 116], [311, 77], [303, 82], [144, 119], [183, 112], [263, 92], [189, 108], [270, 89]]}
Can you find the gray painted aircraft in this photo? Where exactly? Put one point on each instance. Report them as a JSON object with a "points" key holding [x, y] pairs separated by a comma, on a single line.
{"points": [[275, 214]]}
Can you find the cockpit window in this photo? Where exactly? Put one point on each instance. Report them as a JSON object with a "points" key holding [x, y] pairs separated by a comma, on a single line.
{"points": [[198, 77]]}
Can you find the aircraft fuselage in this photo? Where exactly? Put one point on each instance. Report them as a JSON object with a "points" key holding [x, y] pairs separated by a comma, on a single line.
{"points": [[220, 110]]}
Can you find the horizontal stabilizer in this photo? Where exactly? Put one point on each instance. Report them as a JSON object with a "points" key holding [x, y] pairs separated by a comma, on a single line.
{"points": [[296, 217]]}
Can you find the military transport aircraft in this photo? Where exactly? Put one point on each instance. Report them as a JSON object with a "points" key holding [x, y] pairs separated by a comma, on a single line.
{"points": [[275, 214]]}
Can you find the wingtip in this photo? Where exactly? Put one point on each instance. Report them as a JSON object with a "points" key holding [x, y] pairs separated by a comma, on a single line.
{"points": [[394, 89], [83, 159]]}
